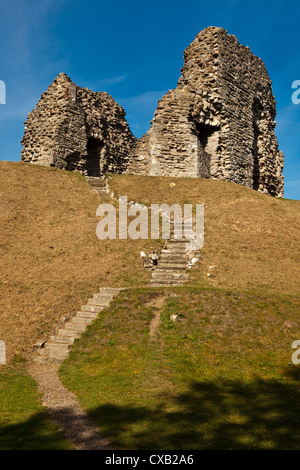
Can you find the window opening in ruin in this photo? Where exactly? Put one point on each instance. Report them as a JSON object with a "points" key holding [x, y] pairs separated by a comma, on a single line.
{"points": [[94, 147], [208, 138]]}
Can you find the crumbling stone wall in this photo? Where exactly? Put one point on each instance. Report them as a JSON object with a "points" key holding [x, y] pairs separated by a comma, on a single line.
{"points": [[76, 129], [218, 122]]}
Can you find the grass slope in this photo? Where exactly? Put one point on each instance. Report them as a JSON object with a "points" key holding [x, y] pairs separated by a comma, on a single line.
{"points": [[51, 260], [251, 239], [216, 378]]}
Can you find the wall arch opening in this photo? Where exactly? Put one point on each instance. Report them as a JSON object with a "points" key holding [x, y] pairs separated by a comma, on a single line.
{"points": [[208, 139], [94, 147]]}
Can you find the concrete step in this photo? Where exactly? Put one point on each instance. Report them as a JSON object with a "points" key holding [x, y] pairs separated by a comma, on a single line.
{"points": [[90, 315], [177, 246], [111, 290], [69, 333], [100, 191], [175, 249], [57, 346], [180, 247], [169, 253], [92, 308], [96, 181], [167, 275], [61, 339], [170, 269], [81, 321], [173, 259], [165, 253], [75, 327], [167, 265], [99, 301], [59, 353], [157, 283], [48, 360], [106, 297], [172, 263]]}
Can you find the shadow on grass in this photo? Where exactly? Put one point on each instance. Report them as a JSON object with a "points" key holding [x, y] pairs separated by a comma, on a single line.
{"points": [[227, 414], [263, 414], [36, 433]]}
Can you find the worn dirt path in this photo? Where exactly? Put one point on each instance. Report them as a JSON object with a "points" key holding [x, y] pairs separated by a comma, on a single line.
{"points": [[65, 409]]}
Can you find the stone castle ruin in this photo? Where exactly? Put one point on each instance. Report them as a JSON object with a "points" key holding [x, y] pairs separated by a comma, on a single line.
{"points": [[73, 128], [217, 123]]}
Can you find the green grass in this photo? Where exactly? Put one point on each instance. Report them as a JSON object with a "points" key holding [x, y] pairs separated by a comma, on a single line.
{"points": [[24, 423], [216, 378]]}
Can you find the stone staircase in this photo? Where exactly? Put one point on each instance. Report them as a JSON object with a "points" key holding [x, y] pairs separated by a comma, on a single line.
{"points": [[172, 266], [170, 271], [56, 349], [98, 183]]}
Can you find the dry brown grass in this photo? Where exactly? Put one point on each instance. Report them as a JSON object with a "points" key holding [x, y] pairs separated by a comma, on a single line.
{"points": [[51, 258], [251, 239]]}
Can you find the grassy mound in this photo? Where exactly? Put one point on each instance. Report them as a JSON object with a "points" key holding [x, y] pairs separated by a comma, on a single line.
{"points": [[216, 377]]}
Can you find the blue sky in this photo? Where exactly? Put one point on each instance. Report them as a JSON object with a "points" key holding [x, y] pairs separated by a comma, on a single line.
{"points": [[134, 51]]}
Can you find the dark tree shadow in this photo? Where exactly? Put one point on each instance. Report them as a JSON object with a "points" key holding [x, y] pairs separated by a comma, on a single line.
{"points": [[36, 433], [263, 414], [225, 414]]}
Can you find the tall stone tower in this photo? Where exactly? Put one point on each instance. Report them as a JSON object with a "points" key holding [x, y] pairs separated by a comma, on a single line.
{"points": [[218, 122]]}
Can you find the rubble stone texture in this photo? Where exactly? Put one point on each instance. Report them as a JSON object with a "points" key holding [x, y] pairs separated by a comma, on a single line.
{"points": [[73, 128], [217, 123]]}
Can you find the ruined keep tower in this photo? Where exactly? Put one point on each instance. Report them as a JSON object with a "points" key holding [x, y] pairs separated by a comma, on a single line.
{"points": [[73, 128], [218, 122]]}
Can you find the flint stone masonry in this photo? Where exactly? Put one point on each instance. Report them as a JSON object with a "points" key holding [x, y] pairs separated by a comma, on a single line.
{"points": [[218, 122], [73, 128]]}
